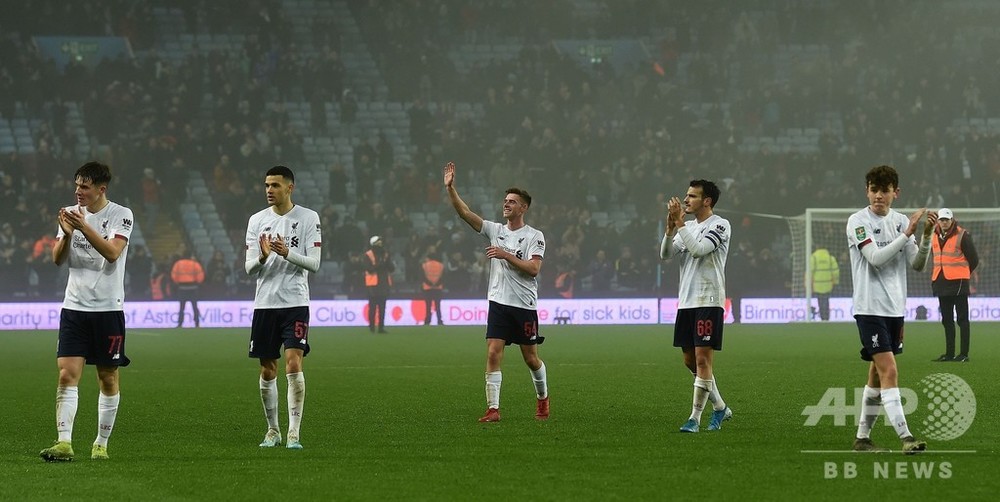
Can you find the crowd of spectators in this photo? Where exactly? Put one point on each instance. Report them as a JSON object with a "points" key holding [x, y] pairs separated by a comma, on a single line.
{"points": [[886, 86]]}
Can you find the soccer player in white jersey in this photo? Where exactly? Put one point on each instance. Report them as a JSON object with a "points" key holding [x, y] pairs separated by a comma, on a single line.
{"points": [[283, 245], [882, 247], [703, 244], [93, 238], [515, 250]]}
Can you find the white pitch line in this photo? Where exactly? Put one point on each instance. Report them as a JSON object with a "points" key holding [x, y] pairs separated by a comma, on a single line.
{"points": [[924, 452]]}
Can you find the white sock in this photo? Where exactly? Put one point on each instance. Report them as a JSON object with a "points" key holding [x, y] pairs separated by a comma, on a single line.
{"points": [[296, 401], [269, 397], [718, 404], [870, 406], [893, 406], [493, 380], [541, 383], [107, 410], [714, 397], [67, 400], [702, 389]]}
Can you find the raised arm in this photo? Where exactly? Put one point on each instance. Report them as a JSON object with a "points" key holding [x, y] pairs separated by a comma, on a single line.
{"points": [[675, 220], [61, 249], [880, 256], [474, 220], [309, 261], [111, 250], [258, 250]]}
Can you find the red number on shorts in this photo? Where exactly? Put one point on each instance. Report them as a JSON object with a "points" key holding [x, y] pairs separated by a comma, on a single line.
{"points": [[530, 330], [301, 329], [115, 345], [704, 327]]}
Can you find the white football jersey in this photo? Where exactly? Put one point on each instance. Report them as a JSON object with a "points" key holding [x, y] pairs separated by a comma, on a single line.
{"points": [[281, 284], [879, 291], [96, 285], [703, 279], [508, 285]]}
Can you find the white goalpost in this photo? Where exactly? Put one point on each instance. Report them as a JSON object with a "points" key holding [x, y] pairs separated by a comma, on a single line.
{"points": [[827, 228]]}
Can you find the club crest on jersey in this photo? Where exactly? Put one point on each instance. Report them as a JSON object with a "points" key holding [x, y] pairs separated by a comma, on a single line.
{"points": [[860, 234]]}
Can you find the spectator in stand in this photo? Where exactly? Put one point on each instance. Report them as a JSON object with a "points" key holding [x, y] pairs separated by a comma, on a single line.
{"points": [[565, 280], [338, 184], [627, 270], [140, 271], [150, 186], [601, 273], [11, 270], [217, 277], [40, 263]]}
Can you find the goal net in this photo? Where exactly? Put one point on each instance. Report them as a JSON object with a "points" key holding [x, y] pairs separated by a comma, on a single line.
{"points": [[827, 228]]}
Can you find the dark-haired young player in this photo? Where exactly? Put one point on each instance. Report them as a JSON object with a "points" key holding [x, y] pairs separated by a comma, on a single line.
{"points": [[882, 247], [93, 238], [283, 245], [703, 244]]}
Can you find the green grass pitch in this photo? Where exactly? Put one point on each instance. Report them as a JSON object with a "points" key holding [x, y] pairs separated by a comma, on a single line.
{"points": [[394, 417]]}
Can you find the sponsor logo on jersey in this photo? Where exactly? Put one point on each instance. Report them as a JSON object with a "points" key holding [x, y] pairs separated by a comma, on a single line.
{"points": [[859, 233]]}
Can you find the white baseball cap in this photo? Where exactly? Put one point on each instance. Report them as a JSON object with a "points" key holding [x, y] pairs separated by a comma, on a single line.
{"points": [[374, 239], [945, 214]]}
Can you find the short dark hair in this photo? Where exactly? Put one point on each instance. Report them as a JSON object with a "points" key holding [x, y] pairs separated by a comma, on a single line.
{"points": [[523, 194], [882, 177], [96, 172], [708, 190], [281, 171]]}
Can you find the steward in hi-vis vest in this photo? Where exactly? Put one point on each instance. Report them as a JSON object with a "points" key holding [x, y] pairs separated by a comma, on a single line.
{"points": [[955, 262]]}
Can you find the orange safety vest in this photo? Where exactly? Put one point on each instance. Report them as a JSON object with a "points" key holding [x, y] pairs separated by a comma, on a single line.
{"points": [[561, 283], [949, 259], [187, 271], [371, 278], [157, 288], [432, 271]]}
